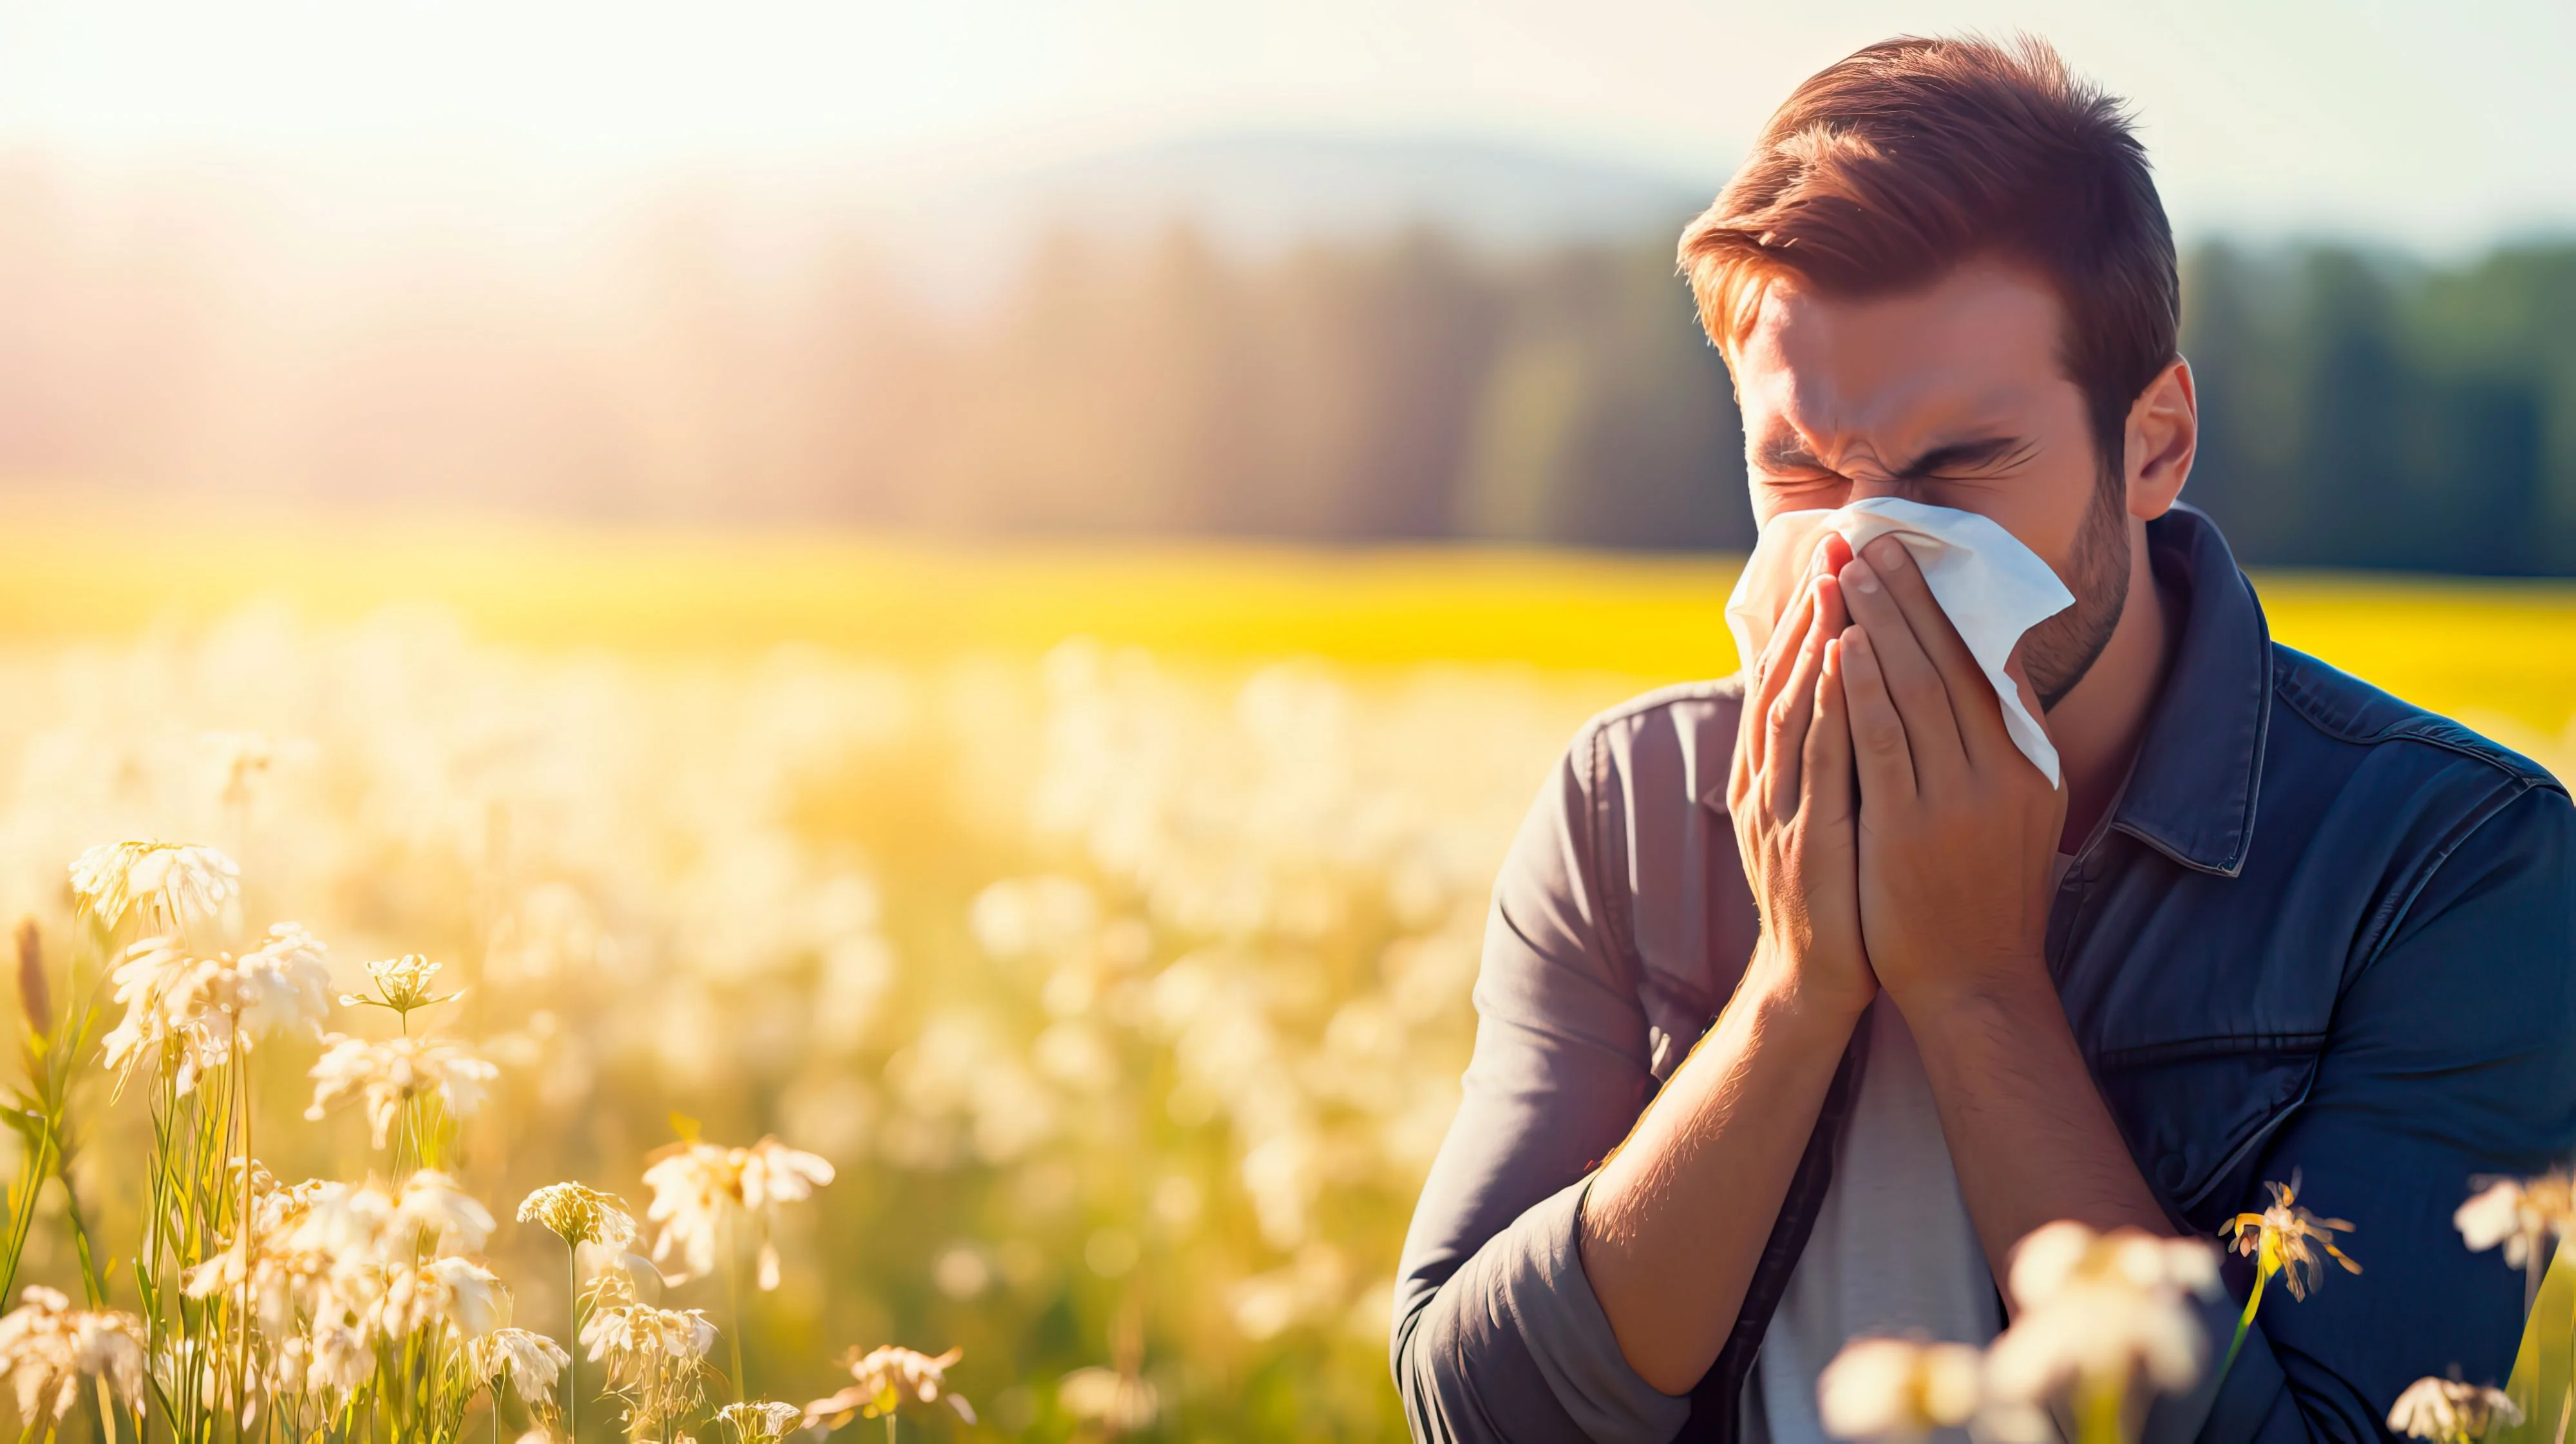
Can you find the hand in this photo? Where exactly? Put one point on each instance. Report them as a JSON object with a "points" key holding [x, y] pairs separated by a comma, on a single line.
{"points": [[1790, 794], [1957, 828]]}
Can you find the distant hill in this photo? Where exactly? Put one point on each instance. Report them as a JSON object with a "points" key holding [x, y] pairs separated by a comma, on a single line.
{"points": [[1258, 191], [1255, 195]]}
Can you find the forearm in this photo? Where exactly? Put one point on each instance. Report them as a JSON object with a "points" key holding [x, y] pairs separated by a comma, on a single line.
{"points": [[2027, 1129], [1675, 1222]]}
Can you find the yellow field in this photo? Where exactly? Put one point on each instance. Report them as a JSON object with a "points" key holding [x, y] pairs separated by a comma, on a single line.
{"points": [[1123, 979], [2498, 651]]}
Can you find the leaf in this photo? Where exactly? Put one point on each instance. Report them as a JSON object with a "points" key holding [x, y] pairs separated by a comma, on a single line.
{"points": [[2541, 1372]]}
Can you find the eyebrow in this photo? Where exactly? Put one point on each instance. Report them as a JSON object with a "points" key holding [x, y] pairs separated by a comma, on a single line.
{"points": [[1790, 452]]}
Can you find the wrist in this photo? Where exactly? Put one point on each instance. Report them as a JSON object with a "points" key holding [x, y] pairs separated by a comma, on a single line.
{"points": [[1791, 986], [2003, 991]]}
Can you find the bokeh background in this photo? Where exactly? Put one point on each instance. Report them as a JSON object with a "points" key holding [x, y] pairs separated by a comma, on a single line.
{"points": [[981, 586]]}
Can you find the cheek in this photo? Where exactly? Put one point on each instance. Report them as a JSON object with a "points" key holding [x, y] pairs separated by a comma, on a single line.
{"points": [[2046, 514]]}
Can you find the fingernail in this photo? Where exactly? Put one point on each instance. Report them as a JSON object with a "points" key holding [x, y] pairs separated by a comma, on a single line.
{"points": [[1888, 552], [1859, 576]]}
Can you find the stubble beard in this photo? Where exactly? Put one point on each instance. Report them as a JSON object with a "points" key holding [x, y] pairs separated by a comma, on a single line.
{"points": [[2059, 651]]}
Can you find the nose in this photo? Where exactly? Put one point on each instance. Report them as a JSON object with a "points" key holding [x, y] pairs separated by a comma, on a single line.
{"points": [[1866, 487]]}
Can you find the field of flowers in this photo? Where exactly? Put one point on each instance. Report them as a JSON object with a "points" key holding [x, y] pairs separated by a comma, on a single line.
{"points": [[1072, 950]]}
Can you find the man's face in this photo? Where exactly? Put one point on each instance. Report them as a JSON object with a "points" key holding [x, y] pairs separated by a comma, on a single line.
{"points": [[1952, 395]]}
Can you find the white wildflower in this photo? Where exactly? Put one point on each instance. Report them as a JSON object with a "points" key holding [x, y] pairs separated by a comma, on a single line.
{"points": [[393, 1072], [2094, 1311], [168, 885], [764, 1421], [2286, 1237], [1898, 1389], [432, 1202], [453, 1290], [282, 1273], [655, 1357], [186, 1012], [47, 1348], [473, 1300], [402, 985], [699, 1188], [2524, 1215], [341, 1360], [284, 985], [349, 1221], [889, 1378], [2450, 1412], [530, 1362]]}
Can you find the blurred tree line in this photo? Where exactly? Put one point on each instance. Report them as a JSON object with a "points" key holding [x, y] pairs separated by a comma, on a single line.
{"points": [[2362, 410]]}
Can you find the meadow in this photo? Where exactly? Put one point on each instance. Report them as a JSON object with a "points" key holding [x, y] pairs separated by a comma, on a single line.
{"points": [[1103, 914]]}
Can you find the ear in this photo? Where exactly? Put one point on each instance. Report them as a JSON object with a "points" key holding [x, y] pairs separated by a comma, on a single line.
{"points": [[2164, 433]]}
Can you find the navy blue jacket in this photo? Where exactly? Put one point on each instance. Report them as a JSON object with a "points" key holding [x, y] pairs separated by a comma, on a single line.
{"points": [[2325, 932]]}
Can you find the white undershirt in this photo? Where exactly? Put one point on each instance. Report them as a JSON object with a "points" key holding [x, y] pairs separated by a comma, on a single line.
{"points": [[1893, 1251]]}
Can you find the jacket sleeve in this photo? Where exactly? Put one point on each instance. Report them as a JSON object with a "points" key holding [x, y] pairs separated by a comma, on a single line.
{"points": [[2452, 1054], [1497, 1335]]}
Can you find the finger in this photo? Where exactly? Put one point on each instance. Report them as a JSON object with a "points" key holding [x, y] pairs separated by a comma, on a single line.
{"points": [[1786, 726], [1833, 554], [1827, 763], [1771, 673], [1977, 713], [1780, 649], [1921, 699], [1882, 766], [1831, 613]]}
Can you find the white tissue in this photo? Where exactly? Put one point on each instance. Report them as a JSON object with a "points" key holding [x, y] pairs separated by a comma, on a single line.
{"points": [[1993, 588]]}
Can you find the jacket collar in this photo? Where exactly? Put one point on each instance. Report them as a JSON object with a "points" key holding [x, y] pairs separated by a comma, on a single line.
{"points": [[2199, 768]]}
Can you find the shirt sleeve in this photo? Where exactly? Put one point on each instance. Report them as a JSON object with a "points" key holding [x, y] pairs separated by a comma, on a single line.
{"points": [[1497, 1334], [2452, 1055]]}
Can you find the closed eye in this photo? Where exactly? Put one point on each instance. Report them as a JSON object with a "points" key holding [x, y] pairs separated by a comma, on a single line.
{"points": [[1967, 459]]}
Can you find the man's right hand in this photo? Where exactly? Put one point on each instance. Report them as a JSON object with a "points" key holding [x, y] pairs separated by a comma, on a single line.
{"points": [[1790, 794]]}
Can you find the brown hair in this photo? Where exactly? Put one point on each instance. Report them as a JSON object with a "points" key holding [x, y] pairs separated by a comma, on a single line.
{"points": [[1891, 167]]}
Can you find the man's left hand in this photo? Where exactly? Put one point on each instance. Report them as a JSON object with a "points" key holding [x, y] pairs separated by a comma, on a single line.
{"points": [[1957, 827]]}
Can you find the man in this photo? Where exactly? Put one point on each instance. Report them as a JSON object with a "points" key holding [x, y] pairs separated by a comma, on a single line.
{"points": [[1850, 998]]}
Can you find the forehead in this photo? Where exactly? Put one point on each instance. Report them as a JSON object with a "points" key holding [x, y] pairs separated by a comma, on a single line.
{"points": [[1982, 342]]}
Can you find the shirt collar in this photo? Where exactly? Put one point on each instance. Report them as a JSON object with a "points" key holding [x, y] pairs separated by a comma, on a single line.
{"points": [[2199, 769]]}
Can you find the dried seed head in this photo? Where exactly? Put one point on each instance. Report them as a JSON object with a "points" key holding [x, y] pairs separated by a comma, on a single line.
{"points": [[34, 997], [578, 1214]]}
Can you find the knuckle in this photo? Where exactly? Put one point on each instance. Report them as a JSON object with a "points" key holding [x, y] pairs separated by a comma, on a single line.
{"points": [[1919, 688], [1880, 735]]}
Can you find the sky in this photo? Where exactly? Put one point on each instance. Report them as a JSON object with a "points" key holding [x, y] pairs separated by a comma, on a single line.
{"points": [[2439, 127]]}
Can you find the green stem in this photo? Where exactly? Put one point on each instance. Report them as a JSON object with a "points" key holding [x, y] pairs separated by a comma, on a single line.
{"points": [[572, 1346], [91, 1282], [2244, 1325], [241, 1220], [22, 1210], [733, 1302], [2101, 1416]]}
